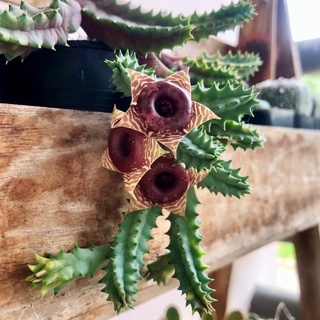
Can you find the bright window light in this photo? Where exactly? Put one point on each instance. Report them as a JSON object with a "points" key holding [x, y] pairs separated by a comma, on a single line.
{"points": [[304, 19]]}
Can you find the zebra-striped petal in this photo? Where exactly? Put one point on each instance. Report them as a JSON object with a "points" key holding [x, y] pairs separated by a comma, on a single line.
{"points": [[163, 109]]}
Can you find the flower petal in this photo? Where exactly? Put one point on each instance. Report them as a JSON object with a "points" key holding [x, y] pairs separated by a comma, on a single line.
{"points": [[201, 115], [151, 152], [139, 199], [139, 202], [131, 119], [182, 79], [138, 82]]}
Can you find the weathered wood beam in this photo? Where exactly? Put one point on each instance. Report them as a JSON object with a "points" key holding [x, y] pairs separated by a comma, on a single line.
{"points": [[307, 245], [54, 193]]}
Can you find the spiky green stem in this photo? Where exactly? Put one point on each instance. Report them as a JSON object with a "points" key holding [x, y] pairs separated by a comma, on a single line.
{"points": [[57, 270], [222, 68], [186, 256], [120, 78], [227, 17], [126, 258], [229, 102], [225, 180], [161, 270], [25, 29], [199, 150], [237, 134], [120, 26]]}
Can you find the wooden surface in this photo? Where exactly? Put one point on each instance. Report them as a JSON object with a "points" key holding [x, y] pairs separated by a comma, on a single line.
{"points": [[307, 247], [54, 193]]}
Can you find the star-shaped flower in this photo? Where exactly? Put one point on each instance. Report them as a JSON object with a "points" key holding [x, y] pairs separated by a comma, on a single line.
{"points": [[129, 152], [163, 109], [165, 185], [143, 141]]}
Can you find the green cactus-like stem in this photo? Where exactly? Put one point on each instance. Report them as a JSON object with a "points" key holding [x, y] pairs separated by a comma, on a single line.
{"points": [[227, 17], [229, 102], [286, 94], [126, 259], [225, 180], [186, 255], [161, 270], [120, 26], [199, 150], [57, 270], [120, 78], [237, 134], [25, 29], [222, 68]]}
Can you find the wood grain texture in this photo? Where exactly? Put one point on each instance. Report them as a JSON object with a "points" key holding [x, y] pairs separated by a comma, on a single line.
{"points": [[54, 193]]}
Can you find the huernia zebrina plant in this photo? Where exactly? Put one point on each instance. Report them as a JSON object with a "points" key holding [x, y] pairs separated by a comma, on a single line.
{"points": [[182, 116]]}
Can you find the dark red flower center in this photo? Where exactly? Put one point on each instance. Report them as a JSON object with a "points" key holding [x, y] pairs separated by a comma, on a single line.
{"points": [[126, 148], [164, 107], [164, 182]]}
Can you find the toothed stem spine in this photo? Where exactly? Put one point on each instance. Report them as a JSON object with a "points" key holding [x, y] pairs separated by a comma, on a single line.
{"points": [[126, 258]]}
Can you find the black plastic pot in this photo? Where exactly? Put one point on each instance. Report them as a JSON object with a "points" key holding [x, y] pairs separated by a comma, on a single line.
{"points": [[283, 118], [302, 121], [73, 77], [273, 117]]}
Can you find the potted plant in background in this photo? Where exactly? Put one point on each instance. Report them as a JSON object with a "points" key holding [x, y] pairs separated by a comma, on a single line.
{"points": [[183, 114], [287, 103], [75, 77]]}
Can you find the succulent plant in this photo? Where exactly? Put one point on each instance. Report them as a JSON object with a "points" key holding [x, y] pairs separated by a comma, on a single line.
{"points": [[161, 164], [169, 141], [287, 93], [26, 28]]}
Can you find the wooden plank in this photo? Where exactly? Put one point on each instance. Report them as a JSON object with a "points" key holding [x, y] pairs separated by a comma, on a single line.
{"points": [[54, 193], [285, 196], [307, 246]]}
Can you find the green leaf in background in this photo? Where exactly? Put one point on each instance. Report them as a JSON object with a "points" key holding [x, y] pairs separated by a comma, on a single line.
{"points": [[172, 314]]}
